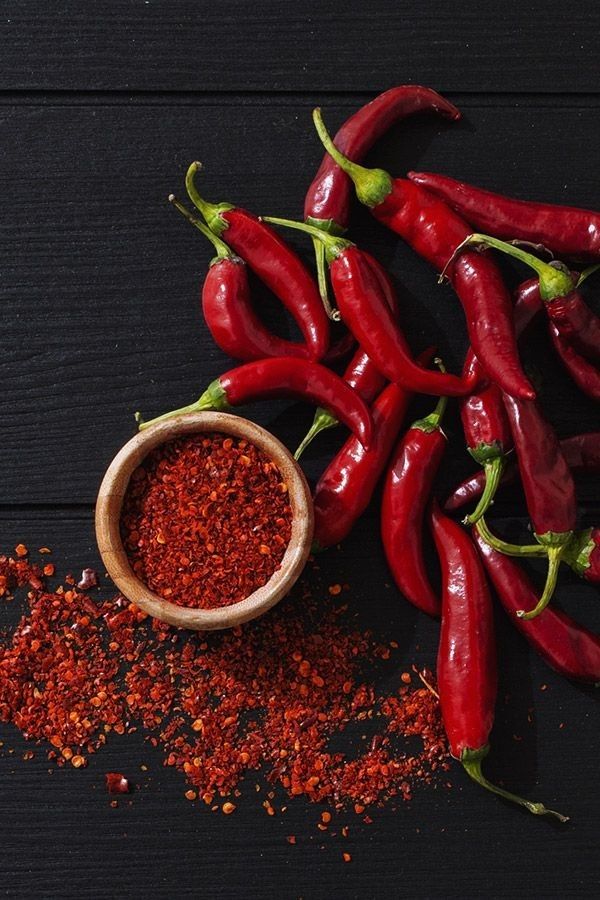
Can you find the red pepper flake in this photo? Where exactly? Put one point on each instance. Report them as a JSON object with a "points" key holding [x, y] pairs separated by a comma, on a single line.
{"points": [[116, 783], [347, 857], [291, 838], [335, 589], [21, 550], [201, 530], [49, 569], [191, 795], [228, 808], [44, 550]]}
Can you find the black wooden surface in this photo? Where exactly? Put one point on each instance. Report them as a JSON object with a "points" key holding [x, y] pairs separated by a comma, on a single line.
{"points": [[102, 107]]}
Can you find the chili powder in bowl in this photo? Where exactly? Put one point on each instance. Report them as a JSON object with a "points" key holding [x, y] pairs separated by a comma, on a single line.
{"points": [[204, 520]]}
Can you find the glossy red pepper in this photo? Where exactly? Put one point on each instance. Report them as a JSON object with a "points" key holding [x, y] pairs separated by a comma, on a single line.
{"points": [[563, 643], [361, 372], [431, 228], [347, 484], [272, 260], [283, 377], [466, 666], [549, 493], [406, 495], [583, 373], [327, 202], [365, 311], [227, 305], [558, 289], [581, 453], [487, 434], [565, 230]]}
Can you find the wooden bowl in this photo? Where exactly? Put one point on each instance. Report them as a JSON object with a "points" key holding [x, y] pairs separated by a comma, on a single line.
{"points": [[108, 515]]}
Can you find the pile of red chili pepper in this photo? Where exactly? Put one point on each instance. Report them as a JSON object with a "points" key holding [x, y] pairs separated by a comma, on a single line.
{"points": [[459, 230], [261, 701], [206, 520]]}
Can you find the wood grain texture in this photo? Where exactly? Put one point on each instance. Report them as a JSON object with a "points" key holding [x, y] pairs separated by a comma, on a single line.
{"points": [[100, 278], [64, 840], [280, 45]]}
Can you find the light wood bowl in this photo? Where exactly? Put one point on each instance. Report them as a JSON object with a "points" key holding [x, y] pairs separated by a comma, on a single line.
{"points": [[108, 515]]}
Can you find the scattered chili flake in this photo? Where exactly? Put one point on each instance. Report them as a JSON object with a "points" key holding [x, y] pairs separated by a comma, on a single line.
{"points": [[291, 838], [205, 521], [228, 808], [191, 795], [89, 579], [21, 550], [335, 589], [116, 783], [347, 857]]}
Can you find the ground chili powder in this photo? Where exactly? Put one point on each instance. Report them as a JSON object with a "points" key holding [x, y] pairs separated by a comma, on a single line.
{"points": [[273, 695], [206, 520]]}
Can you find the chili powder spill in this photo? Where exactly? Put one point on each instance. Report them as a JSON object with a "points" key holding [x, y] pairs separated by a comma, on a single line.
{"points": [[206, 520], [273, 695]]}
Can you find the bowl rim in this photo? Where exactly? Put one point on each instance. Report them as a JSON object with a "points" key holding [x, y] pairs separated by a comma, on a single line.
{"points": [[108, 517]]}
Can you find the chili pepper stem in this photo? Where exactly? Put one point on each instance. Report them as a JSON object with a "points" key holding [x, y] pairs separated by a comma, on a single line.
{"points": [[555, 280], [212, 398], [333, 243], [555, 556], [212, 212], [577, 554], [319, 246], [223, 251], [494, 469], [471, 761], [535, 550], [432, 421], [321, 422], [372, 185]]}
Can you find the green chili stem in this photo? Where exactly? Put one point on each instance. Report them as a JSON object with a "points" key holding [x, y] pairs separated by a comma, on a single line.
{"points": [[555, 555], [223, 251], [334, 245], [321, 422], [211, 211], [319, 246], [494, 469], [532, 550], [214, 397], [472, 759]]}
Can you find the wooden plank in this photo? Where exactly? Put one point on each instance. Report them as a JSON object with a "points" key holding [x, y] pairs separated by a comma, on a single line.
{"points": [[64, 840], [344, 45], [100, 278]]}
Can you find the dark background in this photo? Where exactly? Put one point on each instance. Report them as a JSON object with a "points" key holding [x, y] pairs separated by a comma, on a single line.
{"points": [[103, 105]]}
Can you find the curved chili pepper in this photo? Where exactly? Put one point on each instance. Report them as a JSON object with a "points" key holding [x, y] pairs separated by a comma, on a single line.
{"points": [[434, 231], [272, 260], [227, 305], [283, 377], [487, 433], [365, 311], [327, 202], [584, 374], [563, 643], [549, 492], [361, 373], [466, 666], [565, 230], [558, 288], [581, 453], [406, 494], [347, 484]]}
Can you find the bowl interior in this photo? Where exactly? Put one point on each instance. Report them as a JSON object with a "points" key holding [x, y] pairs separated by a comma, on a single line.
{"points": [[108, 514]]}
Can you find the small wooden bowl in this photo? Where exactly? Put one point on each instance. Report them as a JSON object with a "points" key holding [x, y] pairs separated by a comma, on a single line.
{"points": [[108, 515]]}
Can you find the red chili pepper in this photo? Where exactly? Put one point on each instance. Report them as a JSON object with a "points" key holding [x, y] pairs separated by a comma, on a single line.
{"points": [[434, 231], [487, 433], [466, 667], [581, 453], [361, 373], [365, 311], [558, 289], [272, 260], [584, 374], [567, 646], [549, 492], [565, 230], [406, 494], [283, 377], [327, 203], [347, 484]]}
